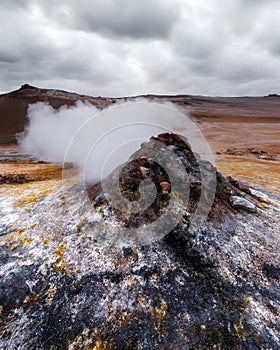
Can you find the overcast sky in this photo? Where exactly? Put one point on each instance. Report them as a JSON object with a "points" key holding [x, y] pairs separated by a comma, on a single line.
{"points": [[128, 47]]}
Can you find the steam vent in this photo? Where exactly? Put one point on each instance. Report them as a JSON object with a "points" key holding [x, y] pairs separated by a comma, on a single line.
{"points": [[68, 281]]}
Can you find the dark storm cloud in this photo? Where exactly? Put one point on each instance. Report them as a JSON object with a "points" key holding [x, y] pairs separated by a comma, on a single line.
{"points": [[8, 57], [15, 4], [134, 19], [126, 47]]}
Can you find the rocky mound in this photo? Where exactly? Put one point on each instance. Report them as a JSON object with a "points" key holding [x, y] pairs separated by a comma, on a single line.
{"points": [[65, 285], [228, 194]]}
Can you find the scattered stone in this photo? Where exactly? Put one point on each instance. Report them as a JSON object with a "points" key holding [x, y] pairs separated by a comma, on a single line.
{"points": [[143, 161], [145, 172], [234, 152], [272, 157], [13, 179], [255, 151], [261, 197], [165, 188], [242, 203], [239, 184]]}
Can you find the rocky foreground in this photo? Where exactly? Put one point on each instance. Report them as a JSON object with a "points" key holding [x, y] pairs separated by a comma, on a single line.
{"points": [[69, 280]]}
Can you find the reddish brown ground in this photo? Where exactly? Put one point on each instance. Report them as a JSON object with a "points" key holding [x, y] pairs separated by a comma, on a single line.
{"points": [[248, 151]]}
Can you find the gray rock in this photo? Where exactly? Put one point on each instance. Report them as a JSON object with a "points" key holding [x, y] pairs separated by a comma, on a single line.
{"points": [[242, 203], [261, 197]]}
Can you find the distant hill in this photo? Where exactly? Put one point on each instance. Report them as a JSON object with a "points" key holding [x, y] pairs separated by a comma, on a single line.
{"points": [[14, 105]]}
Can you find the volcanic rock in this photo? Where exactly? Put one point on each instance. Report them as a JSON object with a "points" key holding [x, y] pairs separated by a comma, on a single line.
{"points": [[10, 179], [70, 279], [165, 187]]}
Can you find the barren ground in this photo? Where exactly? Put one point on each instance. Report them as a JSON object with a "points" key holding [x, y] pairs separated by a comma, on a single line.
{"points": [[246, 151], [244, 133]]}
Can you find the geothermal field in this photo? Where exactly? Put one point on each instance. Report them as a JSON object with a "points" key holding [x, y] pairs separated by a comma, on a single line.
{"points": [[196, 267]]}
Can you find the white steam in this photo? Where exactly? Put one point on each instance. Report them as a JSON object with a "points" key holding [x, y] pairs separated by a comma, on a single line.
{"points": [[50, 131], [98, 142]]}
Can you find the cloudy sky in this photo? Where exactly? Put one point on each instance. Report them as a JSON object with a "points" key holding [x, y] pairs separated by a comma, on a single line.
{"points": [[128, 47]]}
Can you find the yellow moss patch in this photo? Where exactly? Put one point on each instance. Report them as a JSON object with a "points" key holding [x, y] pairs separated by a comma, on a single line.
{"points": [[157, 314], [141, 300], [90, 340], [45, 242], [45, 193], [121, 314], [16, 239], [29, 200], [51, 293], [158, 318], [30, 298], [15, 235], [26, 241], [98, 346], [60, 262]]}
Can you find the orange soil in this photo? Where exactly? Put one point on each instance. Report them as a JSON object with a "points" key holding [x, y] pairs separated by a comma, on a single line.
{"points": [[223, 135], [33, 172]]}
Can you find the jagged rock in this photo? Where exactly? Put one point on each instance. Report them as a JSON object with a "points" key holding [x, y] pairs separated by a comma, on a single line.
{"points": [[27, 86], [261, 197], [242, 203]]}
